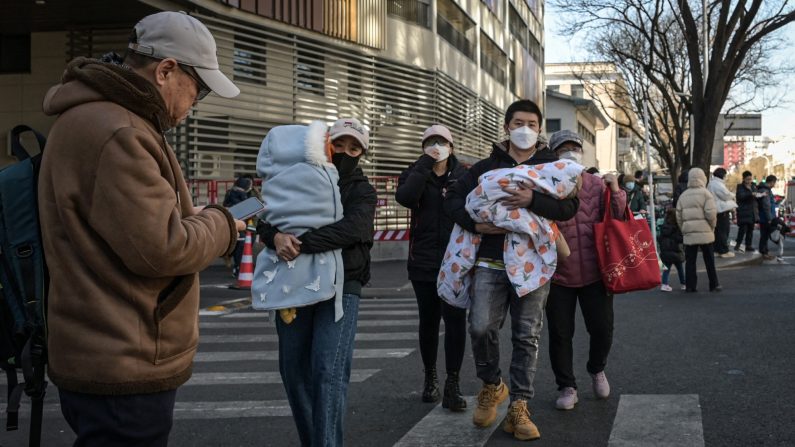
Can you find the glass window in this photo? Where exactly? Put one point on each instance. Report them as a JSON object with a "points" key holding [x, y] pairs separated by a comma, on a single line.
{"points": [[414, 11], [553, 125]]}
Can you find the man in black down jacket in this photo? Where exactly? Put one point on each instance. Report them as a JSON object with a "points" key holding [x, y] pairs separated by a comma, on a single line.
{"points": [[492, 294], [747, 213], [421, 188]]}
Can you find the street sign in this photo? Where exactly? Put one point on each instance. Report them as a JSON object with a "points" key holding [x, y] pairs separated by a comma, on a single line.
{"points": [[742, 124]]}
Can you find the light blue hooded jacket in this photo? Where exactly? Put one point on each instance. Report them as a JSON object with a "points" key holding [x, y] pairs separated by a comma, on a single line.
{"points": [[299, 188]]}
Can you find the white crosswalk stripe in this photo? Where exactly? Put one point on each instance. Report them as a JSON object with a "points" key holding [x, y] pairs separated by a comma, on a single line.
{"points": [[238, 352], [261, 338]]}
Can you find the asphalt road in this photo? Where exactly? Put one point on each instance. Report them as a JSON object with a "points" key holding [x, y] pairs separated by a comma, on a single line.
{"points": [[728, 355]]}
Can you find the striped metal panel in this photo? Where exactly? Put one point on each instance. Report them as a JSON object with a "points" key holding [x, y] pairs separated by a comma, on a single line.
{"points": [[288, 79]]}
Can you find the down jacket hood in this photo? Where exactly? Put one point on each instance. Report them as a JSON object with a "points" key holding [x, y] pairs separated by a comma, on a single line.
{"points": [[284, 146], [696, 178], [88, 80]]}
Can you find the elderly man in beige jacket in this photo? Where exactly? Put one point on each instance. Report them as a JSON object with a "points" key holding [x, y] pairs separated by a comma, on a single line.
{"points": [[696, 214]]}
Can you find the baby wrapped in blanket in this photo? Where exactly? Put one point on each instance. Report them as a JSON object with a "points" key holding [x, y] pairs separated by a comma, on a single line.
{"points": [[530, 251], [299, 188]]}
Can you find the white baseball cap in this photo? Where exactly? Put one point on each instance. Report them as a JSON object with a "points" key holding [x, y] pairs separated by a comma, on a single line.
{"points": [[179, 36], [352, 127]]}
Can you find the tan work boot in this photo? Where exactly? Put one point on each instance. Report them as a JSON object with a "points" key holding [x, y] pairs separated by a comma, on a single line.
{"points": [[489, 398], [518, 422]]}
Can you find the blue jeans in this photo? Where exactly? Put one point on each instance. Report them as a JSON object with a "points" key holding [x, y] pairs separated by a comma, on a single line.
{"points": [[315, 355], [679, 271], [492, 297]]}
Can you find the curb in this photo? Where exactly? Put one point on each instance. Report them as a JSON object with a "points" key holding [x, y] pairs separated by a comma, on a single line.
{"points": [[753, 260]]}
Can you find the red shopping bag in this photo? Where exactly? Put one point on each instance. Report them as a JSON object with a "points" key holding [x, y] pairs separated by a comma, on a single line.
{"points": [[626, 253]]}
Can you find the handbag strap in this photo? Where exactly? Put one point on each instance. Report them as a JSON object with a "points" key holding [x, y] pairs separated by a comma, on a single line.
{"points": [[608, 214]]}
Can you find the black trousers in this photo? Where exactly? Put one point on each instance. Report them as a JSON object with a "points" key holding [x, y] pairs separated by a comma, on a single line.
{"points": [[138, 420], [764, 236], [747, 231], [722, 233], [432, 309], [597, 311], [691, 277]]}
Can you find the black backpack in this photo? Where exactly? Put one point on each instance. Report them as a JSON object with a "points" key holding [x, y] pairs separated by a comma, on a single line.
{"points": [[23, 284]]}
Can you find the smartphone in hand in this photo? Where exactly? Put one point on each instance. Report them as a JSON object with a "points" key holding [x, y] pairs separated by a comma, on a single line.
{"points": [[247, 208]]}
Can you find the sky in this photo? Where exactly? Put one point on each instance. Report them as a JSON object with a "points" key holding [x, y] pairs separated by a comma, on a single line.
{"points": [[775, 122]]}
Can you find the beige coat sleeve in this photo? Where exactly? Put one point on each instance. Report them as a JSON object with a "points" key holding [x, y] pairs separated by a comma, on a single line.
{"points": [[135, 209]]}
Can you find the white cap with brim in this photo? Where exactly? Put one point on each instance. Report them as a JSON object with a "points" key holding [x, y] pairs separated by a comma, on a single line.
{"points": [[179, 36]]}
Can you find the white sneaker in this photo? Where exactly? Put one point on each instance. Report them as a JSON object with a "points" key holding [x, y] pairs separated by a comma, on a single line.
{"points": [[601, 388], [740, 250], [666, 288], [567, 399], [683, 287], [756, 252], [728, 254]]}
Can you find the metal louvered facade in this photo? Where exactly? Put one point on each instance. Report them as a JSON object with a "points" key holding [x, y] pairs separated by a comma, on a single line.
{"points": [[298, 76], [287, 79]]}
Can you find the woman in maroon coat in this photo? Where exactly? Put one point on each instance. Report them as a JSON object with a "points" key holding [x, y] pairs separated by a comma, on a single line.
{"points": [[578, 278]]}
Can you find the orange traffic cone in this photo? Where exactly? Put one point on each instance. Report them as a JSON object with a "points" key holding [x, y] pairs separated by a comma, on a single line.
{"points": [[246, 274]]}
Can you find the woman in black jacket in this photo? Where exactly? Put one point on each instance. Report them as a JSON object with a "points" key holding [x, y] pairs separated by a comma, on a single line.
{"points": [[421, 188], [320, 420], [747, 213]]}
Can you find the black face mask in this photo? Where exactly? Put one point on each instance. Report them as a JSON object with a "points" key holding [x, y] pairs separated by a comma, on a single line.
{"points": [[345, 164]]}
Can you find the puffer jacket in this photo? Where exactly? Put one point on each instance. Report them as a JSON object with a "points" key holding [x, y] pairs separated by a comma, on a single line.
{"points": [[723, 197], [670, 244], [696, 212], [581, 268], [422, 191], [747, 211], [766, 204]]}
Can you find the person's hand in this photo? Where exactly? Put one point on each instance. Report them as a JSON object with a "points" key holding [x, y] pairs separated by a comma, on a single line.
{"points": [[611, 181], [288, 247], [489, 228], [240, 225], [644, 212], [521, 196]]}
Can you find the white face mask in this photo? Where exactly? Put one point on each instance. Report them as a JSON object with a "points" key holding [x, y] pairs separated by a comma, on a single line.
{"points": [[524, 137], [572, 155], [443, 150]]}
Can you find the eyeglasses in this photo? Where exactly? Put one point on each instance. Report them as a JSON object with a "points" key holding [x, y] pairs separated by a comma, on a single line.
{"points": [[435, 140], [200, 85]]}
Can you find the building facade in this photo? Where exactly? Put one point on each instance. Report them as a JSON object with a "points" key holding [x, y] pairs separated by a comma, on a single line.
{"points": [[617, 148], [578, 114], [398, 65]]}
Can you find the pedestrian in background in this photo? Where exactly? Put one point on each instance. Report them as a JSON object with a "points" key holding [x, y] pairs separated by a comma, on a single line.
{"points": [[681, 186], [314, 348], [578, 278], [123, 241], [724, 201], [637, 203], [421, 188], [672, 253], [696, 215], [747, 213], [767, 212], [236, 194], [492, 295]]}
